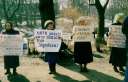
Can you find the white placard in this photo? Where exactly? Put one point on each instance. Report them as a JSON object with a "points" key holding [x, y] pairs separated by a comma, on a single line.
{"points": [[47, 40], [11, 45], [82, 33], [116, 37]]}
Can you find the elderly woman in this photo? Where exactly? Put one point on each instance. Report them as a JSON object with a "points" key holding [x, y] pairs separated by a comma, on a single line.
{"points": [[118, 52], [82, 46], [10, 61], [51, 57], [125, 31]]}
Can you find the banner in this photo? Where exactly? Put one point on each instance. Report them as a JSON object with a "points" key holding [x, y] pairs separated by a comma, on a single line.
{"points": [[11, 45], [47, 40], [82, 33], [116, 37]]}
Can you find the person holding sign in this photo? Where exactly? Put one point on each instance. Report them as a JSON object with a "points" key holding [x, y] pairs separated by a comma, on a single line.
{"points": [[10, 61], [52, 57], [116, 41], [82, 43], [125, 31]]}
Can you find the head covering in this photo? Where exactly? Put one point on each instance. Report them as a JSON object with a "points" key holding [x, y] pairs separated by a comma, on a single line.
{"points": [[84, 19], [48, 22], [118, 18]]}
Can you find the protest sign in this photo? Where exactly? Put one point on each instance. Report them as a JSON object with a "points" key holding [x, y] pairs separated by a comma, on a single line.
{"points": [[47, 40], [116, 37], [11, 45], [82, 33]]}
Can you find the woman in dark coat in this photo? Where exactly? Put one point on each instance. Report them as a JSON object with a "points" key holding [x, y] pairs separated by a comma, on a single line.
{"points": [[10, 61], [125, 31], [52, 57], [82, 49], [118, 54]]}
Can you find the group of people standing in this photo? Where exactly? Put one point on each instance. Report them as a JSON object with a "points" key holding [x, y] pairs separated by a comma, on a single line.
{"points": [[82, 48]]}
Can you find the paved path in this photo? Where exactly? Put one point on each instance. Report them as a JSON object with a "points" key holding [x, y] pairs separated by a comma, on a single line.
{"points": [[36, 70]]}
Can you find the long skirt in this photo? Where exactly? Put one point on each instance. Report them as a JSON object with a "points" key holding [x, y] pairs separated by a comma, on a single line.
{"points": [[83, 52], [11, 61], [118, 56]]}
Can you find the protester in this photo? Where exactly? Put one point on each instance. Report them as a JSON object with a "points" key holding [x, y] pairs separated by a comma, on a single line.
{"points": [[118, 51], [82, 48], [125, 31], [52, 57], [10, 61]]}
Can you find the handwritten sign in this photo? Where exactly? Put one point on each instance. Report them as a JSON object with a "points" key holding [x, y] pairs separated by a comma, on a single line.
{"points": [[82, 33], [47, 40], [11, 45], [116, 37]]}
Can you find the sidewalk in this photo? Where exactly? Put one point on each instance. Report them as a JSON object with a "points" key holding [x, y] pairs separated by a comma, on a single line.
{"points": [[36, 70]]}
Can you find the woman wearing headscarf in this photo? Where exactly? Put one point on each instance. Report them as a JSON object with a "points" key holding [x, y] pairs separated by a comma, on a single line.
{"points": [[118, 51], [51, 57], [10, 61], [82, 47], [125, 31]]}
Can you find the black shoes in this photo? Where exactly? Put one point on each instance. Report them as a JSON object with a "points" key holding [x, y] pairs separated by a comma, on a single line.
{"points": [[120, 69], [6, 73], [84, 70], [15, 73], [52, 69], [115, 69], [52, 72]]}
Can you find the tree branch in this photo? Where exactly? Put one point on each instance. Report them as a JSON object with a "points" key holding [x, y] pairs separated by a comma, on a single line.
{"points": [[98, 4], [15, 9], [106, 4], [4, 8]]}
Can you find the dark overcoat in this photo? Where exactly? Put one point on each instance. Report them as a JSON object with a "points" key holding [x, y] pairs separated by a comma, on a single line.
{"points": [[118, 55], [11, 61]]}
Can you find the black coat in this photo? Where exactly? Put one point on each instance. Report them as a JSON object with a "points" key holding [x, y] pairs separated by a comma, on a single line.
{"points": [[118, 55], [11, 61]]}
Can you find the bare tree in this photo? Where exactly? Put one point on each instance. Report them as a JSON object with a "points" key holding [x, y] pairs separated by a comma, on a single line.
{"points": [[10, 7], [101, 14], [46, 8]]}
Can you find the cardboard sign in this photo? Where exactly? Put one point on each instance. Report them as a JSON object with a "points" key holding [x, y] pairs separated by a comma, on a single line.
{"points": [[11, 45], [82, 33], [116, 37], [47, 40]]}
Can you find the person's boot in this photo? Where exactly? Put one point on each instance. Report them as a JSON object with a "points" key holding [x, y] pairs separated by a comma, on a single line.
{"points": [[14, 71], [51, 69], [121, 69], [85, 68], [54, 68], [115, 69], [81, 68], [7, 71]]}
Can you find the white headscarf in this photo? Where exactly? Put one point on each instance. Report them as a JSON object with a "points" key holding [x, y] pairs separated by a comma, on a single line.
{"points": [[119, 18]]}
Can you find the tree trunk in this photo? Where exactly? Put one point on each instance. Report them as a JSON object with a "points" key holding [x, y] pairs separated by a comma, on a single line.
{"points": [[46, 8], [101, 24]]}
